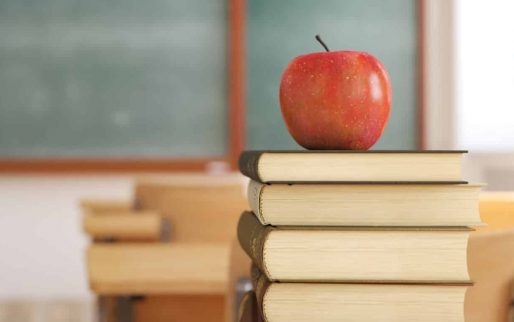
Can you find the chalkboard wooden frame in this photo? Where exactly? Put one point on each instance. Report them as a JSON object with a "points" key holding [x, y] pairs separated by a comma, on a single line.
{"points": [[421, 12], [236, 132]]}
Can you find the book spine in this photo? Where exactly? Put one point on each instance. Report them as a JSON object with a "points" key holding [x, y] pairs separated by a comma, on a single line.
{"points": [[255, 191], [249, 308], [252, 236], [260, 286], [249, 164]]}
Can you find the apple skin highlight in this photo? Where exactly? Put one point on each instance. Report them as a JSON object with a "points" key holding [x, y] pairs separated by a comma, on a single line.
{"points": [[337, 100]]}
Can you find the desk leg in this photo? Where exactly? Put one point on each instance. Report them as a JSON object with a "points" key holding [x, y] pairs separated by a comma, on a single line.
{"points": [[125, 309], [107, 309], [117, 308]]}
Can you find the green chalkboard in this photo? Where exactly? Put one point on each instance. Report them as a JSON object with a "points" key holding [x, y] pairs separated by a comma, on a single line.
{"points": [[278, 31], [113, 78], [131, 78]]}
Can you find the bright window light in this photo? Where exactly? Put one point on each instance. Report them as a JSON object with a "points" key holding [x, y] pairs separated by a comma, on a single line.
{"points": [[484, 43]]}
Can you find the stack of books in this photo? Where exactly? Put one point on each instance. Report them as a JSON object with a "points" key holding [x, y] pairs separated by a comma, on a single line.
{"points": [[357, 236]]}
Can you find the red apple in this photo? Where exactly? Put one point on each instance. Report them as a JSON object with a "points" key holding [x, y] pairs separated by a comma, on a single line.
{"points": [[336, 100]]}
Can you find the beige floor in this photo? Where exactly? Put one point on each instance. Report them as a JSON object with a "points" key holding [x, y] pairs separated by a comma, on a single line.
{"points": [[47, 311]]}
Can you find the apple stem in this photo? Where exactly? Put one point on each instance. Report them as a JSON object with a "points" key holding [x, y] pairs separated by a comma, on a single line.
{"points": [[318, 38]]}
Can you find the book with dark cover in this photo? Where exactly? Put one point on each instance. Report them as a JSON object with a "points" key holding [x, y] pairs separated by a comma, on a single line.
{"points": [[356, 254], [387, 166], [284, 302], [251, 236], [249, 308], [260, 285]]}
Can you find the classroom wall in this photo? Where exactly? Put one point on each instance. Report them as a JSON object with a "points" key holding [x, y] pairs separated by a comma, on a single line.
{"points": [[42, 253]]}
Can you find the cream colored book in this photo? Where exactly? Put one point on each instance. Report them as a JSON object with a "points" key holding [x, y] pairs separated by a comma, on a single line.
{"points": [[365, 204], [330, 254], [286, 302], [352, 166]]}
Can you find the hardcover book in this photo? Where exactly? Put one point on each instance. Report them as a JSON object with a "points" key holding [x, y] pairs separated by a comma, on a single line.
{"points": [[249, 308], [352, 166], [337, 254], [365, 204], [307, 302]]}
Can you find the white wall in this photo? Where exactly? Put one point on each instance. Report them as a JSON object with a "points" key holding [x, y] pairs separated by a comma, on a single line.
{"points": [[41, 241], [438, 73]]}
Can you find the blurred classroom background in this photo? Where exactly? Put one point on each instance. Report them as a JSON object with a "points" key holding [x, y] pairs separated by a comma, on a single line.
{"points": [[95, 94]]}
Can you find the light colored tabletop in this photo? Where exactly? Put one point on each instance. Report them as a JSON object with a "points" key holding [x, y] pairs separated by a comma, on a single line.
{"points": [[174, 268]]}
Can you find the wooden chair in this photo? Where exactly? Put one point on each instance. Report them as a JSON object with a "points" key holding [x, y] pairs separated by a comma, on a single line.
{"points": [[201, 208], [497, 209], [186, 279], [117, 222]]}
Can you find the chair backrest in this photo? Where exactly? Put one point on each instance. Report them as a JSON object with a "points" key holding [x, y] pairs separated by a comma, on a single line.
{"points": [[200, 207], [135, 226], [105, 205], [497, 209]]}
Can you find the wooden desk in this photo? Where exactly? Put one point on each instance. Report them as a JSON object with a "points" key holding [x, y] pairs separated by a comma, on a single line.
{"points": [[175, 268]]}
